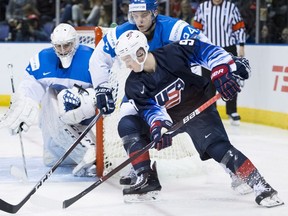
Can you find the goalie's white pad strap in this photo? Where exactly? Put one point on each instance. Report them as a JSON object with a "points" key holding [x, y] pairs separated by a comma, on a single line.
{"points": [[22, 110], [86, 109]]}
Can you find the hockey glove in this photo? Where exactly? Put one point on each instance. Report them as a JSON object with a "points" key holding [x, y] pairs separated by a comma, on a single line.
{"points": [[243, 70], [76, 105], [225, 82], [105, 101], [69, 98], [22, 113], [157, 130]]}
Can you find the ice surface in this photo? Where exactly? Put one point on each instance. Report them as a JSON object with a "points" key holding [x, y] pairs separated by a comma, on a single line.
{"points": [[203, 191]]}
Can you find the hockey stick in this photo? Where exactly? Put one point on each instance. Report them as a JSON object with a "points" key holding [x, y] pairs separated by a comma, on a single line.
{"points": [[174, 128], [10, 68], [7, 207]]}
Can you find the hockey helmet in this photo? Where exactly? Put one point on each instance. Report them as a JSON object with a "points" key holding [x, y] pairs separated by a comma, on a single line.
{"points": [[142, 5], [129, 43], [65, 42]]}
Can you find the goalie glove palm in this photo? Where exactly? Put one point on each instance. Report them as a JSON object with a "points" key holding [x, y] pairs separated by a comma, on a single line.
{"points": [[22, 113], [157, 130], [74, 107], [105, 101]]}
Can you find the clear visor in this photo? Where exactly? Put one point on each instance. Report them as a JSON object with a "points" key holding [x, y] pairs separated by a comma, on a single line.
{"points": [[135, 16]]}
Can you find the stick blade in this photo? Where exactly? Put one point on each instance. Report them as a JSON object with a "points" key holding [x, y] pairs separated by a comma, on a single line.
{"points": [[69, 202], [7, 207]]}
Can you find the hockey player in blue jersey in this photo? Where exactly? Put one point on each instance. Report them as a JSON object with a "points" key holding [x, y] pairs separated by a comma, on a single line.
{"points": [[163, 91], [159, 30], [49, 81]]}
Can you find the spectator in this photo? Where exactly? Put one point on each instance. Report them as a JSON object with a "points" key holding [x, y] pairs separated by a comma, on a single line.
{"points": [[284, 36], [30, 30], [124, 7], [186, 13], [46, 9], [221, 22], [78, 18], [175, 8], [17, 9], [94, 15], [265, 36], [105, 19]]}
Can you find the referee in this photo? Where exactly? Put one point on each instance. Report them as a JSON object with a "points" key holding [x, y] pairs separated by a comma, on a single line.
{"points": [[221, 22]]}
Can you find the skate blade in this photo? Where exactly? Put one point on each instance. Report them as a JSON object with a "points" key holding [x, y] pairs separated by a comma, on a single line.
{"points": [[271, 202], [138, 198]]}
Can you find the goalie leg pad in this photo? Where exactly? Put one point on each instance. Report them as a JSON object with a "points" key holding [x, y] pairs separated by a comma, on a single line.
{"points": [[59, 136]]}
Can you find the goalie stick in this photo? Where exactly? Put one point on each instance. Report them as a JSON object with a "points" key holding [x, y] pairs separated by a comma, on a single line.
{"points": [[10, 208], [25, 177], [69, 202]]}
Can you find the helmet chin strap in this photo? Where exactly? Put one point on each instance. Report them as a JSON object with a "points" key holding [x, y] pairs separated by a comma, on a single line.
{"points": [[142, 63]]}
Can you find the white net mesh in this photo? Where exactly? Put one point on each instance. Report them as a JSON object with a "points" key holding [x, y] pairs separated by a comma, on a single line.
{"points": [[114, 152]]}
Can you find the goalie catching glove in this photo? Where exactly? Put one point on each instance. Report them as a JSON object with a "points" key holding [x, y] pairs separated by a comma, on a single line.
{"points": [[76, 105], [22, 113], [105, 101], [157, 130]]}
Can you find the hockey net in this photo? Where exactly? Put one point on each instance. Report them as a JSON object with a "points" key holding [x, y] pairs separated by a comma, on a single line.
{"points": [[110, 151]]}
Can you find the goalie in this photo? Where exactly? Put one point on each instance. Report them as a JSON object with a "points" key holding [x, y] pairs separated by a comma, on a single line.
{"points": [[58, 79]]}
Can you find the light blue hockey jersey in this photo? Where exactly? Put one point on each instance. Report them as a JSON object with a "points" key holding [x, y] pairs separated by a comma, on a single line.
{"points": [[167, 30], [44, 71]]}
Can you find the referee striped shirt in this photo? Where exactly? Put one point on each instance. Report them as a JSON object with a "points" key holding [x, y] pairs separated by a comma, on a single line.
{"points": [[222, 23]]}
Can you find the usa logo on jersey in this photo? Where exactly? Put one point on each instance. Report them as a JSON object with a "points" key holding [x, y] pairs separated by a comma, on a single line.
{"points": [[171, 95]]}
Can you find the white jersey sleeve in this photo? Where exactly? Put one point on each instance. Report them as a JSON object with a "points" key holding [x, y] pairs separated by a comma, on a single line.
{"points": [[31, 88], [99, 65]]}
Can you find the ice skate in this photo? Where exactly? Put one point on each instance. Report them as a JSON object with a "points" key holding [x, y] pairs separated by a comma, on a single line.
{"points": [[266, 196], [234, 119], [146, 188]]}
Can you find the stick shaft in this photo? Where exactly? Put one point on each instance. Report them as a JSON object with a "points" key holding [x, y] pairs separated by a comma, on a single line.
{"points": [[174, 128], [7, 207]]}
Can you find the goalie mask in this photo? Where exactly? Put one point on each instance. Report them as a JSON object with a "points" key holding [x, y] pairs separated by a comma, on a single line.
{"points": [[65, 43], [142, 5], [133, 43]]}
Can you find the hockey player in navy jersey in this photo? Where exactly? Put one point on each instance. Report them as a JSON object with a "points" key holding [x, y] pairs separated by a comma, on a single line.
{"points": [[49, 81], [159, 30], [163, 91]]}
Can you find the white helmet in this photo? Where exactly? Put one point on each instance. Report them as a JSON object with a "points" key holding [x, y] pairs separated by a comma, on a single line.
{"points": [[65, 42], [129, 43]]}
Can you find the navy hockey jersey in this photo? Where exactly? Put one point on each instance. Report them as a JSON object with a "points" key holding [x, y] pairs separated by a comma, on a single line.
{"points": [[172, 85]]}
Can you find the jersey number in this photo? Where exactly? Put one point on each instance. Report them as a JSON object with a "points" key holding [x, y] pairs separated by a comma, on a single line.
{"points": [[188, 42]]}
